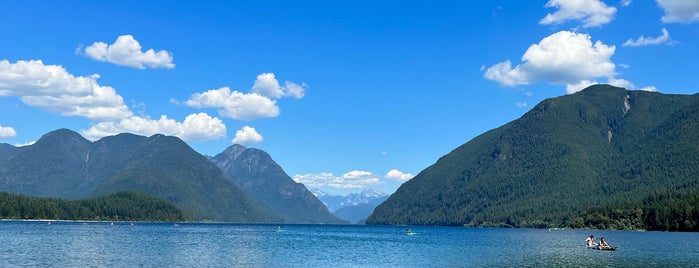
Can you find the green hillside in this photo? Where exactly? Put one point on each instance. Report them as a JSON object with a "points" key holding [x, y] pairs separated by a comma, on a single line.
{"points": [[598, 147]]}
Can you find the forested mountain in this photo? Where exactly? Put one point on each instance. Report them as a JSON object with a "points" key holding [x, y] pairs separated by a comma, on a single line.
{"points": [[601, 147], [62, 164], [254, 171]]}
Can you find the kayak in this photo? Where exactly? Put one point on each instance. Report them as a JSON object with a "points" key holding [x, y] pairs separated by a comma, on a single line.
{"points": [[411, 233]]}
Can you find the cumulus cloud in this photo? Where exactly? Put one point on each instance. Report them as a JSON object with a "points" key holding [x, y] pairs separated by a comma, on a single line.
{"points": [[53, 88], [398, 175], [126, 51], [591, 12], [355, 179], [234, 104], [260, 102], [267, 85], [247, 136], [195, 127], [682, 11], [7, 132], [562, 58], [646, 41]]}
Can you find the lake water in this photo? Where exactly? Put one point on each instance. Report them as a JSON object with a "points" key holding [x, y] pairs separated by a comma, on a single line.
{"points": [[100, 244]]}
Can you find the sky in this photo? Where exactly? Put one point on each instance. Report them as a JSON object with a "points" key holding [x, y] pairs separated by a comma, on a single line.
{"points": [[344, 95]]}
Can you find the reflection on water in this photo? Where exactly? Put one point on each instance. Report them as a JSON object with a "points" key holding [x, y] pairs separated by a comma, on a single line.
{"points": [[95, 244]]}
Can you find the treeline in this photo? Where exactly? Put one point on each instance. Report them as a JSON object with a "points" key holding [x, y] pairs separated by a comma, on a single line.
{"points": [[667, 211], [121, 206]]}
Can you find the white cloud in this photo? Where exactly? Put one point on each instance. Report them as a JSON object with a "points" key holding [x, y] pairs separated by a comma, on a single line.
{"points": [[195, 127], [625, 3], [294, 90], [235, 104], [682, 11], [521, 104], [54, 89], [561, 58], [355, 179], [126, 51], [247, 136], [645, 41], [267, 85], [260, 102], [7, 132], [591, 12], [398, 175]]}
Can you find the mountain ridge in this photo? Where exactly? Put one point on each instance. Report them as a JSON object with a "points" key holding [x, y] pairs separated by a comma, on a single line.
{"points": [[255, 171], [532, 171], [63, 164]]}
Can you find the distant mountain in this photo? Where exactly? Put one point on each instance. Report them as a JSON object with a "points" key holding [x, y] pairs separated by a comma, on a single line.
{"points": [[358, 213], [254, 171], [354, 207], [336, 202], [63, 164], [603, 146]]}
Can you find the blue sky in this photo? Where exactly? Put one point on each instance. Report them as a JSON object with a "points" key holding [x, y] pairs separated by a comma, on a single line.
{"points": [[345, 95]]}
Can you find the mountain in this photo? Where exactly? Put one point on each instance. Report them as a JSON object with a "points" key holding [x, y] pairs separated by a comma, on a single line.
{"points": [[336, 202], [603, 146], [6, 149], [63, 164], [357, 214], [353, 207], [254, 171]]}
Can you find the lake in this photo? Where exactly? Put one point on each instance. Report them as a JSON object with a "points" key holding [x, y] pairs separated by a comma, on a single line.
{"points": [[102, 244]]}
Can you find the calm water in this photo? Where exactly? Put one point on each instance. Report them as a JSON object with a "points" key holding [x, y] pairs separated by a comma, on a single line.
{"points": [[73, 244]]}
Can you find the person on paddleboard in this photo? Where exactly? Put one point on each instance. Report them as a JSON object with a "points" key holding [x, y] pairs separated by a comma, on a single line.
{"points": [[603, 244], [590, 241]]}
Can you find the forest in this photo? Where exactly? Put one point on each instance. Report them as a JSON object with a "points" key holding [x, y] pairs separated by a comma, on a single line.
{"points": [[121, 206], [660, 211]]}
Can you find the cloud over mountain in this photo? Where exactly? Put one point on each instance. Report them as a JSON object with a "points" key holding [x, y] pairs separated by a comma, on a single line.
{"points": [[260, 102], [247, 136], [54, 89], [562, 58]]}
